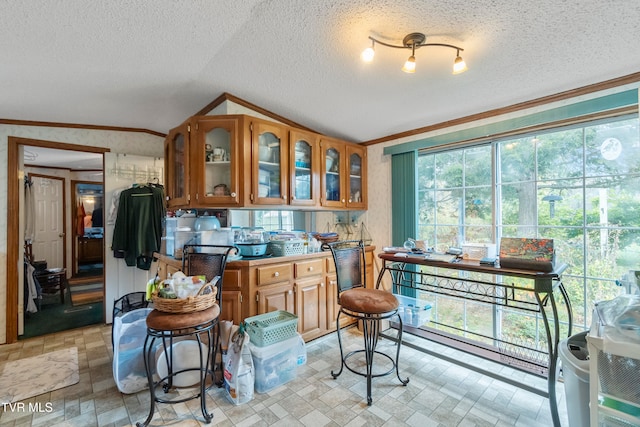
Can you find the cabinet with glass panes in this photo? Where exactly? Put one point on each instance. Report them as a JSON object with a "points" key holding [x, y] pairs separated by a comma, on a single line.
{"points": [[343, 176], [242, 161]]}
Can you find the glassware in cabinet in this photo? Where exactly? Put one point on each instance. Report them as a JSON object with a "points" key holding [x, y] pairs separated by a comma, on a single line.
{"points": [[357, 168], [303, 157], [269, 163], [217, 157], [332, 176], [217, 153]]}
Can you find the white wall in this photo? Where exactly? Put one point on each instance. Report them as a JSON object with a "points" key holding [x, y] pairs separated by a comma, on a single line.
{"points": [[119, 142]]}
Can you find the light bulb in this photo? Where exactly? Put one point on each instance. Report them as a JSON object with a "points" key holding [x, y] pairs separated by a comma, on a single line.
{"points": [[368, 54], [410, 65], [459, 66]]}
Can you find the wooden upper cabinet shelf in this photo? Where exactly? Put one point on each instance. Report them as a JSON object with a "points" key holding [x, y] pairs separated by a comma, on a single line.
{"points": [[241, 161]]}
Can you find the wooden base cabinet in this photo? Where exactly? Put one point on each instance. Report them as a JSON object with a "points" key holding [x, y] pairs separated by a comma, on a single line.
{"points": [[301, 284], [311, 303]]}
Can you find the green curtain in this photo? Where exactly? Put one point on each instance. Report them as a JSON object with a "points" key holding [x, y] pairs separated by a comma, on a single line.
{"points": [[403, 202]]}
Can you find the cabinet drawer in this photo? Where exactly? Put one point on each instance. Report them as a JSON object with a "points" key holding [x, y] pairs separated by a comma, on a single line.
{"points": [[331, 265], [274, 274], [231, 280], [307, 268]]}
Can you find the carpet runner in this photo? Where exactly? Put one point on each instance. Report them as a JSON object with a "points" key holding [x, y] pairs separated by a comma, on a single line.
{"points": [[85, 290]]}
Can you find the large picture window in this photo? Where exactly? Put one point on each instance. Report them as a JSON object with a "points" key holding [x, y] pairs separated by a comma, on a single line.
{"points": [[578, 185]]}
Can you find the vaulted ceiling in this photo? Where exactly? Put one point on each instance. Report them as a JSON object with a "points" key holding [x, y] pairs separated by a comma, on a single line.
{"points": [[152, 63]]}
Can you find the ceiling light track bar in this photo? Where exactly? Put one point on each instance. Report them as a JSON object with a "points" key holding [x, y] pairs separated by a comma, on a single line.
{"points": [[414, 41], [416, 46]]}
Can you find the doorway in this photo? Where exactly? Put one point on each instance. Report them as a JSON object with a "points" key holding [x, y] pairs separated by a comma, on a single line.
{"points": [[59, 315], [87, 198]]}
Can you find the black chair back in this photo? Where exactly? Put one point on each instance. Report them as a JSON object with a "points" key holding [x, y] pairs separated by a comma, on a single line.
{"points": [[206, 260], [348, 256]]}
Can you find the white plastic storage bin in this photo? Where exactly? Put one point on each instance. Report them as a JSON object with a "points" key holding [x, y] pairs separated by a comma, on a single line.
{"points": [[276, 364], [129, 333], [414, 312]]}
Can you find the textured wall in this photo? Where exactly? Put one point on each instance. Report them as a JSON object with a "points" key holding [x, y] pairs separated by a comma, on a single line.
{"points": [[119, 142]]}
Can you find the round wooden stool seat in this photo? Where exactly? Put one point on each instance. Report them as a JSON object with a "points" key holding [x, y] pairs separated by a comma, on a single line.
{"points": [[161, 321], [369, 301]]}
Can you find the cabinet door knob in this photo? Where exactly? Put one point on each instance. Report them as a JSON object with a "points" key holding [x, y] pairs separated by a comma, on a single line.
{"points": [[276, 274], [342, 200], [310, 269], [290, 292], [233, 194]]}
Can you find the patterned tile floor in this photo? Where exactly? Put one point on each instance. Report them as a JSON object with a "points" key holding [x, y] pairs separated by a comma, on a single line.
{"points": [[438, 394]]}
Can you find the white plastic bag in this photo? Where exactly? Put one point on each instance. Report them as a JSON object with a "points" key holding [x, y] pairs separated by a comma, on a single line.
{"points": [[239, 375]]}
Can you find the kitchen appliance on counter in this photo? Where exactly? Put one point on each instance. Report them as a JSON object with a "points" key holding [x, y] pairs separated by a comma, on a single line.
{"points": [[252, 241], [209, 228]]}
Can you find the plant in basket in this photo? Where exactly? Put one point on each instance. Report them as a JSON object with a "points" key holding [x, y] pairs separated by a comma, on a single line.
{"points": [[185, 294]]}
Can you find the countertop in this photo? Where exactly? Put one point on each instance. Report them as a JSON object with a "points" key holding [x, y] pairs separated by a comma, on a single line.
{"points": [[248, 262]]}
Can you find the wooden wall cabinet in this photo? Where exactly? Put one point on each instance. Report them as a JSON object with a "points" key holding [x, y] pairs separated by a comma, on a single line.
{"points": [[241, 161], [203, 161], [269, 163], [176, 166], [304, 170], [343, 175]]}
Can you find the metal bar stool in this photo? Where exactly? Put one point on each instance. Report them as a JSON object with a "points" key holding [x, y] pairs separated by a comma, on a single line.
{"points": [[209, 261], [369, 306], [167, 327]]}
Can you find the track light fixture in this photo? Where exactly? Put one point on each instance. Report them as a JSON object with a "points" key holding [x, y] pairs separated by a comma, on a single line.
{"points": [[414, 41]]}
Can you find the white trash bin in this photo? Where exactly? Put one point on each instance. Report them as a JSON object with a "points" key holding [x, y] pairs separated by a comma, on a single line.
{"points": [[129, 333], [574, 355]]}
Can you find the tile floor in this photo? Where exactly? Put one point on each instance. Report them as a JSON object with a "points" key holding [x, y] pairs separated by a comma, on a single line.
{"points": [[438, 394]]}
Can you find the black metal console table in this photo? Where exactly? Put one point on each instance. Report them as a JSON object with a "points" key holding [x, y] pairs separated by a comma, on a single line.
{"points": [[524, 290]]}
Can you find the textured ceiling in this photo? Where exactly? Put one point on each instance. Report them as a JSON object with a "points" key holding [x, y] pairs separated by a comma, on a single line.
{"points": [[151, 63]]}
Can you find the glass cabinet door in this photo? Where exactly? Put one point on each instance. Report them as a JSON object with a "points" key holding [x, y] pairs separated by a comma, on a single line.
{"points": [[303, 158], [218, 156], [357, 177], [176, 150], [269, 163], [332, 174]]}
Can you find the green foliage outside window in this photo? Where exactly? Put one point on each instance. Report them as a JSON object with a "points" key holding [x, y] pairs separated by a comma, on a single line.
{"points": [[578, 185]]}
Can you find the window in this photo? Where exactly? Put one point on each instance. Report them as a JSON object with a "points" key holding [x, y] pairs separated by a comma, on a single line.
{"points": [[578, 185], [274, 220]]}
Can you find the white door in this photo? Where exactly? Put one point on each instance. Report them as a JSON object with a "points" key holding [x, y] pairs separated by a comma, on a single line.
{"points": [[48, 242]]}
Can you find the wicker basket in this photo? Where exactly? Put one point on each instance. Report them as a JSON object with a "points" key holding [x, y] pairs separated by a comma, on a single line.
{"points": [[270, 328], [326, 239], [199, 302]]}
